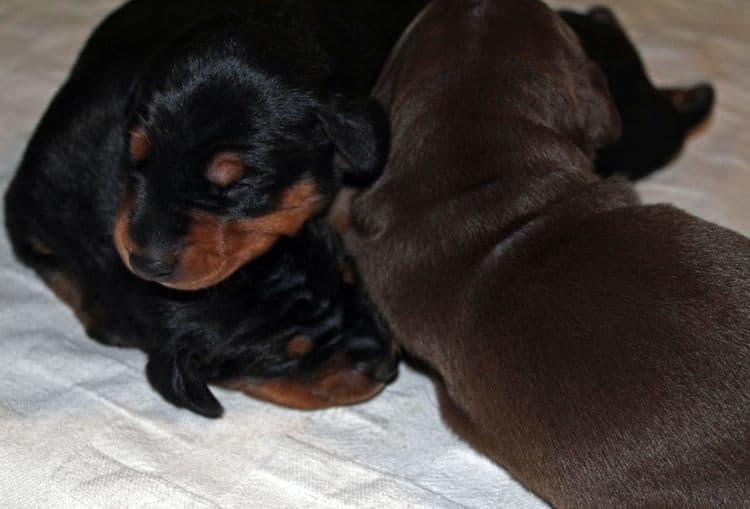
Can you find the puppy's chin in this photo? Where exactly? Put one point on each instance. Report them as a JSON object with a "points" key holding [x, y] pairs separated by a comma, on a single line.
{"points": [[197, 280], [194, 284]]}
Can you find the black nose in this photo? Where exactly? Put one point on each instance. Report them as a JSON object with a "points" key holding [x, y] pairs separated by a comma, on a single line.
{"points": [[387, 371], [372, 356], [151, 268]]}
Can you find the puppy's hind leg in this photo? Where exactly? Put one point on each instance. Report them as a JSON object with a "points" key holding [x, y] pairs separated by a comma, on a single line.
{"points": [[37, 254]]}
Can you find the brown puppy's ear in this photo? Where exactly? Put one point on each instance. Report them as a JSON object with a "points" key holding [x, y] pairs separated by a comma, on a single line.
{"points": [[177, 381], [359, 130], [140, 146], [601, 121]]}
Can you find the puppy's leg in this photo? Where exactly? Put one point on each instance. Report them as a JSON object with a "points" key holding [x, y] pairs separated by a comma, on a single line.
{"points": [[174, 375]]}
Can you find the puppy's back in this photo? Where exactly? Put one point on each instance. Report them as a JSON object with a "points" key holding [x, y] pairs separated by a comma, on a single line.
{"points": [[598, 349]]}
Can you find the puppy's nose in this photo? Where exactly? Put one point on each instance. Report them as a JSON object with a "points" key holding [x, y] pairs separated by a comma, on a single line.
{"points": [[387, 371], [371, 356], [151, 268], [382, 370]]}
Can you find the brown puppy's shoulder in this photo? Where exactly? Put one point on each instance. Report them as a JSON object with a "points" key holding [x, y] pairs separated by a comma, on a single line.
{"points": [[597, 348]]}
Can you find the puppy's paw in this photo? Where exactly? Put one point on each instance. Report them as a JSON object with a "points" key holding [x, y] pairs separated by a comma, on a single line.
{"points": [[174, 377]]}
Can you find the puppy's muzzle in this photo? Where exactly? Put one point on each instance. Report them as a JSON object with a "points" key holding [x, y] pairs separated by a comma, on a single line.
{"points": [[151, 268]]}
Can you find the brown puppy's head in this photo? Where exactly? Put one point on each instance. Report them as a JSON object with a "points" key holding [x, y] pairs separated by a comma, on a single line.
{"points": [[226, 154], [454, 57]]}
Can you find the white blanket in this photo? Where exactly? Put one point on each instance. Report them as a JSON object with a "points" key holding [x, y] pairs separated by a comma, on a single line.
{"points": [[80, 426]]}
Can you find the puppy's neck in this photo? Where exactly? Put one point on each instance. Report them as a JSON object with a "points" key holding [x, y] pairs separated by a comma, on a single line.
{"points": [[488, 118], [504, 167]]}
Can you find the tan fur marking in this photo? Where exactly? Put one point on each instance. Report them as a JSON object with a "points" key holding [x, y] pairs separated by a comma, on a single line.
{"points": [[40, 247], [347, 273], [299, 346], [140, 146], [226, 169], [123, 243], [337, 384], [215, 247], [68, 290], [338, 216]]}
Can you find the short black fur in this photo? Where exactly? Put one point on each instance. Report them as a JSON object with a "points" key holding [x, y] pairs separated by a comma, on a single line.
{"points": [[282, 84], [655, 121]]}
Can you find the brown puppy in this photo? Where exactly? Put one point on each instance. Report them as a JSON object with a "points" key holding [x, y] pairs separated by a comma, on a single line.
{"points": [[597, 348]]}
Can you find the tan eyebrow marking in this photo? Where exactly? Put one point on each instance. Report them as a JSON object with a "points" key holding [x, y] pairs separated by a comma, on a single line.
{"points": [[226, 169]]}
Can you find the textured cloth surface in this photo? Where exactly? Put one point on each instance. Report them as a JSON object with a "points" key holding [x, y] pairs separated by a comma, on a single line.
{"points": [[80, 427]]}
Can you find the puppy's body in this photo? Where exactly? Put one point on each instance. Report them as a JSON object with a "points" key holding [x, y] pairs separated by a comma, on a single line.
{"points": [[188, 129], [163, 90], [597, 348]]}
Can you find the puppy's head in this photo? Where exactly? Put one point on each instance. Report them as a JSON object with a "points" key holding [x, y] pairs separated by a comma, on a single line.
{"points": [[226, 155], [655, 122], [287, 328]]}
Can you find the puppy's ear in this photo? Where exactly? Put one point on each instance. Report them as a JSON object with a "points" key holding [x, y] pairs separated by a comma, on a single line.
{"points": [[177, 381], [601, 121], [359, 130], [603, 15], [692, 104]]}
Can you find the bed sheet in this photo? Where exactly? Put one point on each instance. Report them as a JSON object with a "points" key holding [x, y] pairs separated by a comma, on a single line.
{"points": [[80, 427]]}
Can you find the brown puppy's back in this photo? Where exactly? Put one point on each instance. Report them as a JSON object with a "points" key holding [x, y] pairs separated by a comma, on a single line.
{"points": [[598, 349]]}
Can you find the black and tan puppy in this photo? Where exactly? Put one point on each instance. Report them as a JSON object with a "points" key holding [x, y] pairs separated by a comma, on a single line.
{"points": [[190, 138], [655, 121], [223, 118], [597, 348]]}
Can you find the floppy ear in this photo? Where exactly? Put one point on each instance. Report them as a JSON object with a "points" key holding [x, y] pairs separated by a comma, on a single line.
{"points": [[601, 120], [603, 15], [692, 104], [176, 380], [359, 130]]}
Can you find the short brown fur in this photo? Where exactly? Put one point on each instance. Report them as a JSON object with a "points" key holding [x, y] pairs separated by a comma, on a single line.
{"points": [[597, 348]]}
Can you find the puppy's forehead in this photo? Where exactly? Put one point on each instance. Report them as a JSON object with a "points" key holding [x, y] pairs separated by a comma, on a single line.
{"points": [[200, 121], [229, 98]]}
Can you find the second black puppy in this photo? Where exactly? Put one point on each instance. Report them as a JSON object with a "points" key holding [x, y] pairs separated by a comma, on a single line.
{"points": [[195, 137], [655, 121]]}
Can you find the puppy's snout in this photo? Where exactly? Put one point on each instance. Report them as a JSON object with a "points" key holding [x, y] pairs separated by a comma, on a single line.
{"points": [[364, 347], [373, 357], [153, 268], [386, 371]]}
